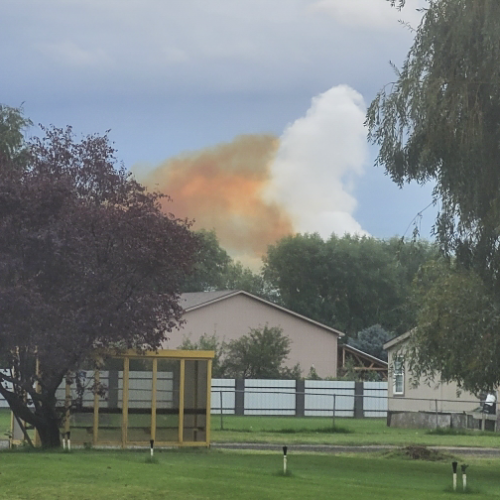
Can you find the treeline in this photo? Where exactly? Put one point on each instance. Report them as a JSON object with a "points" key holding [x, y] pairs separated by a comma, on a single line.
{"points": [[350, 283]]}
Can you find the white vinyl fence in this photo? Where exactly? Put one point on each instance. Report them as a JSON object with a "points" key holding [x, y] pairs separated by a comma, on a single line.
{"points": [[3, 403], [320, 398]]}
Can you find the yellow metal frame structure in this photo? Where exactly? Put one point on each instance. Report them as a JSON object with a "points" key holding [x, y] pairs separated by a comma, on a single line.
{"points": [[180, 355]]}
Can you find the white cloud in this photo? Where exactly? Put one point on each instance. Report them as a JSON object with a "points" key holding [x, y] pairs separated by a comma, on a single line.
{"points": [[69, 53], [318, 156]]}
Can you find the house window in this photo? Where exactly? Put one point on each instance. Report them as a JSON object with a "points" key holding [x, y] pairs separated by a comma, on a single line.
{"points": [[399, 376]]}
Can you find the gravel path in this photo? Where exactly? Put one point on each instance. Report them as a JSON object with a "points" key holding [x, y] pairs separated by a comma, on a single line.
{"points": [[325, 448], [491, 452]]}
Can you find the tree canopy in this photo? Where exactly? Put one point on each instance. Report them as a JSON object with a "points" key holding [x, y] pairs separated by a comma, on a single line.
{"points": [[458, 323], [211, 264], [371, 340], [440, 122], [209, 343], [261, 353], [88, 261], [13, 151], [214, 269], [349, 283]]}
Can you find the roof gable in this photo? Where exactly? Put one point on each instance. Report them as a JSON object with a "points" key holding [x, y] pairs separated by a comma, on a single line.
{"points": [[397, 340], [192, 300], [197, 300]]}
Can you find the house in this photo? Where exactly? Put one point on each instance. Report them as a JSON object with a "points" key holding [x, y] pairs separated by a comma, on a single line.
{"points": [[428, 404], [231, 314]]}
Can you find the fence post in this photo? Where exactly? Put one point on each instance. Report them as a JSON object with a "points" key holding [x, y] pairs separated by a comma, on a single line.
{"points": [[239, 397], [221, 419], [300, 398], [334, 409], [358, 400], [437, 414]]}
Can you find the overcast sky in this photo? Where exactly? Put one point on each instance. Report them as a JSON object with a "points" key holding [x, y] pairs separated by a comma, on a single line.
{"points": [[172, 76]]}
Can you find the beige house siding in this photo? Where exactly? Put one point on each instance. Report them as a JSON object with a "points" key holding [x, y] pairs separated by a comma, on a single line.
{"points": [[425, 397], [232, 317]]}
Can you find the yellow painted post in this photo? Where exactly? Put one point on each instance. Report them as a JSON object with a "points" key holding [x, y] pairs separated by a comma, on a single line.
{"points": [[95, 426], [195, 398], [153, 399], [125, 402], [209, 402], [181, 401]]}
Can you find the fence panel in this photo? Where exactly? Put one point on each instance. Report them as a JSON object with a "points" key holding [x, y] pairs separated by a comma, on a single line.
{"points": [[270, 397], [223, 388], [375, 399], [279, 397], [319, 398], [3, 403]]}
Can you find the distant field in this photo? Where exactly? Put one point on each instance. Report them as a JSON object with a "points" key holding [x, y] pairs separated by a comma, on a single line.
{"points": [[201, 474]]}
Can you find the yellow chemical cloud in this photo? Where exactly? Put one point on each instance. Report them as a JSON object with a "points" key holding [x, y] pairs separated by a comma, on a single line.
{"points": [[221, 188]]}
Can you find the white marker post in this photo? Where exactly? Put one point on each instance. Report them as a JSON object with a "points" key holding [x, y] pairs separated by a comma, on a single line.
{"points": [[69, 440], [64, 441], [285, 449], [464, 476], [454, 465], [152, 442]]}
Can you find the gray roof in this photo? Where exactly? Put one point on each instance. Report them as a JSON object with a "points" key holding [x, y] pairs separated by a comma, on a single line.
{"points": [[348, 347], [397, 340], [195, 300]]}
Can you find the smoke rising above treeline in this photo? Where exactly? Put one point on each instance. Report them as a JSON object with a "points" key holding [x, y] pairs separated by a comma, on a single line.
{"points": [[259, 188]]}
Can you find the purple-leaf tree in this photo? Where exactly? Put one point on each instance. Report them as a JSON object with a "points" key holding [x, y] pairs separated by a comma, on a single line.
{"points": [[87, 261]]}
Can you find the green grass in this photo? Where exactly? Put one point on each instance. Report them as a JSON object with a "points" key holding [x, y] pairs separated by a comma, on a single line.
{"points": [[199, 474], [315, 430], [4, 422]]}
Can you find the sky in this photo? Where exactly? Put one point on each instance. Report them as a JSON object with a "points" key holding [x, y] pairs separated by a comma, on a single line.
{"points": [[248, 114]]}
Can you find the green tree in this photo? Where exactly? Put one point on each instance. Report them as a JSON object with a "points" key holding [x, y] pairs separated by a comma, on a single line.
{"points": [[260, 354], [239, 277], [349, 283], [13, 150], [209, 343], [457, 336], [371, 340], [216, 270], [211, 264], [440, 122]]}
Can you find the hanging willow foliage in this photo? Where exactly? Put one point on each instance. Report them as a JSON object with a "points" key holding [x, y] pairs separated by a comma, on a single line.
{"points": [[440, 121]]}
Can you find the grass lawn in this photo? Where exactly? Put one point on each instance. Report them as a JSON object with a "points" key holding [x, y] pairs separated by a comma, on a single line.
{"points": [[202, 474], [4, 422], [312, 430], [317, 430]]}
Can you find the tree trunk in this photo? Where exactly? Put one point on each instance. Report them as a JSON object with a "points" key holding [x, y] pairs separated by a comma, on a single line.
{"points": [[48, 431], [45, 419]]}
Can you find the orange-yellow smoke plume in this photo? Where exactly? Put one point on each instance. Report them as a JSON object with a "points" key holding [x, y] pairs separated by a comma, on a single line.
{"points": [[221, 188]]}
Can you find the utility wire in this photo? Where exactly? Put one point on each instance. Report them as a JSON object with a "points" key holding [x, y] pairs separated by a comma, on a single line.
{"points": [[419, 215]]}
